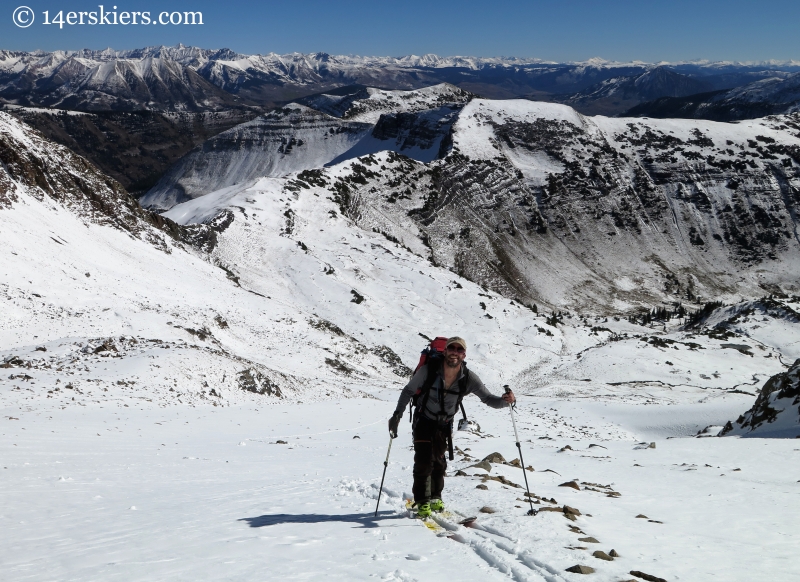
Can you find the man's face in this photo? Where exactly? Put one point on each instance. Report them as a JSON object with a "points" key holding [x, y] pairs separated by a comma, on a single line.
{"points": [[454, 355]]}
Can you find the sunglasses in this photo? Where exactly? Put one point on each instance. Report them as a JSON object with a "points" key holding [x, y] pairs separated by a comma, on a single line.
{"points": [[455, 348]]}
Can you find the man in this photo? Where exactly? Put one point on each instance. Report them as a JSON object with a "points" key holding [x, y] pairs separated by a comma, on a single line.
{"points": [[433, 418]]}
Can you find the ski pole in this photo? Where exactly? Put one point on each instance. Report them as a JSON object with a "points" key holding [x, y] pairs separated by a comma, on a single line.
{"points": [[385, 464], [521, 461]]}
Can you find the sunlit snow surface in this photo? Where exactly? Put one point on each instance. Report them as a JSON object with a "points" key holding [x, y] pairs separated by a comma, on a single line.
{"points": [[215, 498], [130, 450]]}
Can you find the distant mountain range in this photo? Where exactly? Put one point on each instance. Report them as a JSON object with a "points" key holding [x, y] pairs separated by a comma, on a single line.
{"points": [[607, 97], [193, 79]]}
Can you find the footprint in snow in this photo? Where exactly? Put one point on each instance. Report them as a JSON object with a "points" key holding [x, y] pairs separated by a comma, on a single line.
{"points": [[398, 575]]}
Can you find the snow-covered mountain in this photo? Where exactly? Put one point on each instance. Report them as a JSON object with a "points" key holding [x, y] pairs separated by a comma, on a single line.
{"points": [[296, 137], [150, 106], [545, 205], [774, 96], [621, 93], [193, 79], [91, 81], [268, 267]]}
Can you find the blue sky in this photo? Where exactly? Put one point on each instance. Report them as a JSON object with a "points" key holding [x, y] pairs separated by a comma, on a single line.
{"points": [[555, 30]]}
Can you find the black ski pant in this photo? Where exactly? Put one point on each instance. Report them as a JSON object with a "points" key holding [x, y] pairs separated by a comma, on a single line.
{"points": [[430, 463]]}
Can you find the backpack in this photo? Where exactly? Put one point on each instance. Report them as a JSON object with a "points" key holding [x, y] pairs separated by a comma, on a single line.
{"points": [[433, 357]]}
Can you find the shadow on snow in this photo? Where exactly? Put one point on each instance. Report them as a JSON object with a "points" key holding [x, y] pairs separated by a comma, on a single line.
{"points": [[360, 519]]}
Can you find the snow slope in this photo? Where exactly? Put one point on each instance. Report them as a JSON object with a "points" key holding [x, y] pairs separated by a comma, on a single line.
{"points": [[278, 143], [206, 493], [298, 137]]}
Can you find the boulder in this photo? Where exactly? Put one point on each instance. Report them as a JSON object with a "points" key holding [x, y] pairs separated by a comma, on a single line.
{"points": [[648, 577], [485, 465], [494, 458]]}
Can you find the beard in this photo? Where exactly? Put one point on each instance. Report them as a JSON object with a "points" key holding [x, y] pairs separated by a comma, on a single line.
{"points": [[452, 362]]}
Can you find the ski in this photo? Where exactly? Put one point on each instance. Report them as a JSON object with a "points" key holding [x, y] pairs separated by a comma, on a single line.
{"points": [[444, 522]]}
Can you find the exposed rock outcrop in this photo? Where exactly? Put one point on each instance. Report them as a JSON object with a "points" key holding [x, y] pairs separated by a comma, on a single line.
{"points": [[776, 411]]}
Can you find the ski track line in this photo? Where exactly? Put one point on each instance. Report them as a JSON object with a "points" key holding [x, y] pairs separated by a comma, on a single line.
{"points": [[537, 567], [484, 548], [494, 531], [485, 552], [529, 561]]}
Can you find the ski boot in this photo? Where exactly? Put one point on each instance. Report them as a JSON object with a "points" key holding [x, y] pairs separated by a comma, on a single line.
{"points": [[424, 510], [437, 505]]}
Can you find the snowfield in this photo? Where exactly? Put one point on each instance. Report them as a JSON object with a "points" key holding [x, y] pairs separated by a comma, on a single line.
{"points": [[146, 385], [141, 493]]}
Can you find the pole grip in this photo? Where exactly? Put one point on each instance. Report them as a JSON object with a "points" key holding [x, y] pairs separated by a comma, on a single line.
{"points": [[513, 420]]}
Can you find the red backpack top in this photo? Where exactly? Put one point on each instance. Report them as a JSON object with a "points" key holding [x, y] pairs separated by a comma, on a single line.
{"points": [[435, 349]]}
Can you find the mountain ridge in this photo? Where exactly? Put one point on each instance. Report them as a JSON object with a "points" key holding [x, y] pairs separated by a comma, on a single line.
{"points": [[545, 205], [757, 99]]}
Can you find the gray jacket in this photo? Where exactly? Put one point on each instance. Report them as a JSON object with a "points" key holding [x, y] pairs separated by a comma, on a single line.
{"points": [[433, 406]]}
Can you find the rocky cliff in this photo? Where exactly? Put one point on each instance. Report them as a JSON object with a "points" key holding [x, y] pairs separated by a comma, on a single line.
{"points": [[545, 205]]}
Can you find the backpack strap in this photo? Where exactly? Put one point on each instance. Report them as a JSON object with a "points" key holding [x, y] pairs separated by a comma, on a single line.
{"points": [[421, 400], [462, 390]]}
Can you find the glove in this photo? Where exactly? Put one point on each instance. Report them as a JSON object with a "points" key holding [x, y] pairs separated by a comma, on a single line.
{"points": [[394, 424]]}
